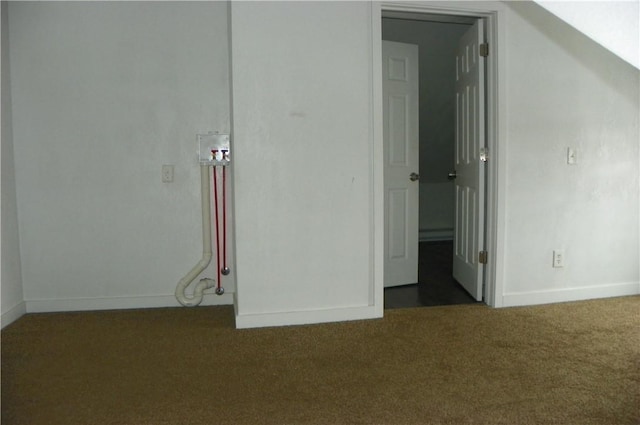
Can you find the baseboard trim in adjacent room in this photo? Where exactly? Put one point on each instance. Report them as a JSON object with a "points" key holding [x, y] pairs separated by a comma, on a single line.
{"points": [[571, 294], [433, 235], [259, 320], [13, 314], [118, 303]]}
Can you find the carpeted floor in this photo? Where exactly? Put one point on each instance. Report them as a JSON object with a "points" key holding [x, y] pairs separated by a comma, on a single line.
{"points": [[573, 363]]}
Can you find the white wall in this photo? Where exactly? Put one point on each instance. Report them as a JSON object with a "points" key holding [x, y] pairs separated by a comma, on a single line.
{"points": [[11, 280], [302, 120], [437, 43], [565, 90], [104, 93]]}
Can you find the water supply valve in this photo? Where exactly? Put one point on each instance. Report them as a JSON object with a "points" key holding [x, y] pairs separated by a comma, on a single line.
{"points": [[214, 149]]}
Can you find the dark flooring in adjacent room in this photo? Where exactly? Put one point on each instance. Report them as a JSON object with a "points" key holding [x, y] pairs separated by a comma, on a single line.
{"points": [[435, 286]]}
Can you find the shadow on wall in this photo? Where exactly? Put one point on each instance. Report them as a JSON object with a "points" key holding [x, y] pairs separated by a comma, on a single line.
{"points": [[611, 69]]}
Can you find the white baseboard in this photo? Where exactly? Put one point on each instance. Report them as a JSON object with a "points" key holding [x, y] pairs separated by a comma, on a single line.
{"points": [[260, 320], [432, 235], [118, 303], [13, 314], [571, 294]]}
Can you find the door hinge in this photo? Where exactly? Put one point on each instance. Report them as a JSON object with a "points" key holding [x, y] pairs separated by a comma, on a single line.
{"points": [[482, 257], [484, 49], [484, 154]]}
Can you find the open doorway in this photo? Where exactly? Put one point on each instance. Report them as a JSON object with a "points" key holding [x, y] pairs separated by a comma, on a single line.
{"points": [[437, 39]]}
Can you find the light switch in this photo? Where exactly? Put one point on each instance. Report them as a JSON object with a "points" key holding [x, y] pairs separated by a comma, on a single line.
{"points": [[167, 173]]}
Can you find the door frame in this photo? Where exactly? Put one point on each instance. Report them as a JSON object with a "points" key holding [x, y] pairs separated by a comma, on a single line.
{"points": [[495, 186]]}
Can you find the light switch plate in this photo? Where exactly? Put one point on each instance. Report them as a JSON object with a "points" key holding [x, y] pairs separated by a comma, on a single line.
{"points": [[167, 173]]}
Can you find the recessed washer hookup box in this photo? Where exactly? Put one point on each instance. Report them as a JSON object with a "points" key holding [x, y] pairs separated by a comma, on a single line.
{"points": [[214, 149]]}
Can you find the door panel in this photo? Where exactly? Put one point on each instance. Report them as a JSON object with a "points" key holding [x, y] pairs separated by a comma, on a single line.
{"points": [[470, 169], [398, 209], [398, 142], [400, 109]]}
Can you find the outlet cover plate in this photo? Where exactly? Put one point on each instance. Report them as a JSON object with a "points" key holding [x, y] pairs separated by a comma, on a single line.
{"points": [[558, 258]]}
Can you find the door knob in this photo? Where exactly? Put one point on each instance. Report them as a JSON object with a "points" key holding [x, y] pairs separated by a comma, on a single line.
{"points": [[413, 177], [452, 175]]}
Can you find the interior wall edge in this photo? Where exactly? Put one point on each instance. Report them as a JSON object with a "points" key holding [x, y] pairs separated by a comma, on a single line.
{"points": [[13, 314]]}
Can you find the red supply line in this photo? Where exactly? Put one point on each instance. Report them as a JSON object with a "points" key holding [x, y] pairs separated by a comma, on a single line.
{"points": [[215, 200], [225, 269]]}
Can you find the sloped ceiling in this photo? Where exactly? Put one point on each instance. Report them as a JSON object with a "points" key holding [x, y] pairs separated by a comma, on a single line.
{"points": [[613, 24]]}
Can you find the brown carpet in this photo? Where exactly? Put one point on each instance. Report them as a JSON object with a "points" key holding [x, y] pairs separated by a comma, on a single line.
{"points": [[573, 363]]}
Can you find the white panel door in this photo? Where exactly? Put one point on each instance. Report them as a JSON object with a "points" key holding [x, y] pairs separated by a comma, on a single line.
{"points": [[400, 97], [470, 169]]}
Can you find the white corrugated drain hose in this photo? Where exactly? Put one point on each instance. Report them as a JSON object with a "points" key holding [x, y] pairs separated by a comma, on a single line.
{"points": [[198, 292]]}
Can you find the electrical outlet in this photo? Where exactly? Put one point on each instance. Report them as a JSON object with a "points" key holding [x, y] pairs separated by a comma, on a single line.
{"points": [[167, 173], [558, 258]]}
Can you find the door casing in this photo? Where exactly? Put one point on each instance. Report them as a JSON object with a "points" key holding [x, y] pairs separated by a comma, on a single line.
{"points": [[494, 16]]}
